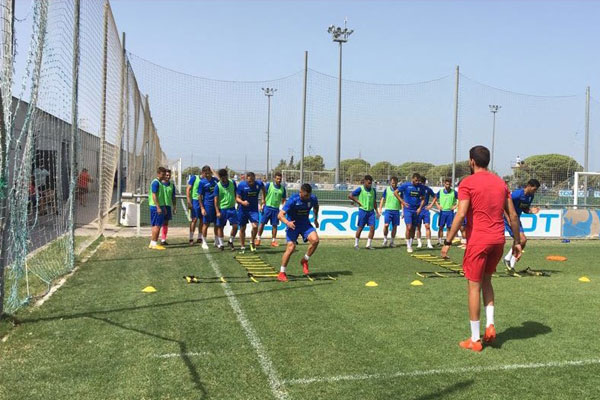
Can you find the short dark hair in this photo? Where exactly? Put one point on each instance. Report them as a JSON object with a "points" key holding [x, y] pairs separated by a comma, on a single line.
{"points": [[449, 180], [394, 178], [534, 182], [278, 173], [168, 171], [481, 156], [206, 168], [416, 175], [161, 170], [306, 188], [368, 178], [423, 179], [251, 175], [222, 173]]}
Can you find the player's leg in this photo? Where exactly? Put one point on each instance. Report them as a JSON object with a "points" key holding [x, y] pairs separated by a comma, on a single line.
{"points": [[242, 236], [386, 227], [371, 223], [193, 226], [254, 231], [394, 231], [261, 229], [417, 233], [494, 254], [428, 235], [474, 267], [234, 230], [200, 228], [291, 236], [313, 239], [156, 221], [164, 230], [508, 256], [360, 225]]}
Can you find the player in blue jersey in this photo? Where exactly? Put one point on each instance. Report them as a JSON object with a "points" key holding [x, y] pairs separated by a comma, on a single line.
{"points": [[275, 198], [295, 215], [224, 200], [193, 205], [413, 200], [447, 202], [170, 193], [366, 198], [247, 197], [391, 201], [424, 216], [206, 198], [522, 199]]}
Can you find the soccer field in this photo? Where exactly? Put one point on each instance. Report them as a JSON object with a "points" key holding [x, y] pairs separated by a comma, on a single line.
{"points": [[101, 337]]}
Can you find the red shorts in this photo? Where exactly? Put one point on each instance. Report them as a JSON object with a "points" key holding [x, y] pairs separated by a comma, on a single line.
{"points": [[481, 259]]}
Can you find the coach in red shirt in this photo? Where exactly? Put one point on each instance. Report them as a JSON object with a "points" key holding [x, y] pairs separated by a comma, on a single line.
{"points": [[483, 198]]}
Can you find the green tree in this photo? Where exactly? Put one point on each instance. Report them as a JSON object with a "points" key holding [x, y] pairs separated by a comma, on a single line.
{"points": [[281, 166], [438, 173], [354, 169], [382, 169], [191, 171], [550, 169], [312, 163], [406, 170]]}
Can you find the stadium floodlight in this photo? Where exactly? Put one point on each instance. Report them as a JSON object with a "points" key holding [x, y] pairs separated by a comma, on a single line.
{"points": [[269, 92], [494, 108], [341, 36]]}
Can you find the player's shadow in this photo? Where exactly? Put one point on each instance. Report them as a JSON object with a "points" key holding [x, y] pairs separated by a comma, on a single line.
{"points": [[440, 394], [527, 330]]}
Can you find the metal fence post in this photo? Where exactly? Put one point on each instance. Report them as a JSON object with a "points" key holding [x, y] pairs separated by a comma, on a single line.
{"points": [[103, 126]]}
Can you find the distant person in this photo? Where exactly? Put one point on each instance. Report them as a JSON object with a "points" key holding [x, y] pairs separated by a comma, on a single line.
{"points": [[484, 198], [295, 215], [391, 201], [156, 201], [247, 196], [83, 181], [224, 200], [447, 201], [413, 201], [276, 197], [206, 197], [424, 217], [522, 199], [366, 198], [169, 193], [191, 193]]}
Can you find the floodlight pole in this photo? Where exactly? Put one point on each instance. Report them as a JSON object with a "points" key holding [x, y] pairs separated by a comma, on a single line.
{"points": [[341, 36], [494, 109], [586, 165], [269, 92]]}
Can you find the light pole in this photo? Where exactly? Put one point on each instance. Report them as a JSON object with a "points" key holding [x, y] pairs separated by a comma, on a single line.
{"points": [[341, 36], [269, 92], [494, 109]]}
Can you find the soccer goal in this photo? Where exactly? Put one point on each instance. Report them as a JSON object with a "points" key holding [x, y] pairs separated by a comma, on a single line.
{"points": [[584, 189]]}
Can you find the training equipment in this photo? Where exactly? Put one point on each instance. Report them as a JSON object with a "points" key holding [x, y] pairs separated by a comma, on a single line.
{"points": [[371, 284], [149, 289], [416, 283], [584, 279], [556, 258]]}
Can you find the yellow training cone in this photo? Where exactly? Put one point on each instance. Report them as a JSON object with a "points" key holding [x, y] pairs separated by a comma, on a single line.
{"points": [[416, 283], [149, 289], [371, 284], [584, 279]]}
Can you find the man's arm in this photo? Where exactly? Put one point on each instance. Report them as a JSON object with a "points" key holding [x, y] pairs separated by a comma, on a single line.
{"points": [[316, 212], [216, 202], [352, 196], [155, 199], [264, 197], [399, 197], [381, 204], [421, 205], [188, 190], [509, 208], [282, 218]]}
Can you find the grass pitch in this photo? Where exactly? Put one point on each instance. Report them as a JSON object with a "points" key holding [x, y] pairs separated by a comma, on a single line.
{"points": [[100, 337]]}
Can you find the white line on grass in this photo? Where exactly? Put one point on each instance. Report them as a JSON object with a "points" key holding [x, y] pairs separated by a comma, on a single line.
{"points": [[265, 362], [449, 371], [173, 355]]}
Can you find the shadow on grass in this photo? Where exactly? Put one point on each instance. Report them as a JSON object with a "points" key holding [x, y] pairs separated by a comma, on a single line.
{"points": [[444, 392], [183, 350], [527, 330]]}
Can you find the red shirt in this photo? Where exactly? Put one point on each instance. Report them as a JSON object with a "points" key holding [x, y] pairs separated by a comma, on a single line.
{"points": [[487, 193]]}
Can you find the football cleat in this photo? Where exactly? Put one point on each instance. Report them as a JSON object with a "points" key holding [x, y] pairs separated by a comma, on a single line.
{"points": [[274, 244], [157, 247], [252, 248], [304, 264], [409, 250], [468, 344], [191, 242], [231, 247], [204, 245], [282, 277], [490, 334], [164, 243], [257, 242]]}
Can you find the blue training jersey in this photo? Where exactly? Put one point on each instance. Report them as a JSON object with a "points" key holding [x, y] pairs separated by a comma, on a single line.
{"points": [[521, 201], [297, 210], [411, 194], [427, 192], [250, 194], [206, 189]]}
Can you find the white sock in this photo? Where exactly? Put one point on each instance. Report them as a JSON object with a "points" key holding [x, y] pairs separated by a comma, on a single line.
{"points": [[306, 257], [272, 240], [419, 242], [513, 262], [489, 316], [282, 269], [230, 239], [439, 240], [153, 243], [356, 241], [475, 335], [221, 241], [385, 237], [428, 242], [258, 237], [392, 241], [368, 242], [200, 237], [508, 255], [409, 242], [191, 235]]}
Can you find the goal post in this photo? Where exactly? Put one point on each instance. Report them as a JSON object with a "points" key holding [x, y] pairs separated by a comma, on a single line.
{"points": [[576, 185]]}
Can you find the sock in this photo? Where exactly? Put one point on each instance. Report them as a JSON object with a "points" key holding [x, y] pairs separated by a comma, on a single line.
{"points": [[282, 269], [385, 237], [230, 239], [439, 240], [191, 235], [428, 242], [152, 243], [200, 237], [368, 242], [513, 262], [273, 240], [356, 242], [306, 257], [419, 242], [489, 316], [242, 248], [221, 242], [392, 241], [165, 229], [475, 335], [409, 242], [508, 255], [258, 237]]}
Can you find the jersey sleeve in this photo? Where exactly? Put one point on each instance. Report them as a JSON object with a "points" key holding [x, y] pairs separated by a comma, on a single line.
{"points": [[314, 200], [216, 192], [384, 194], [192, 180], [431, 192], [356, 191], [515, 195], [401, 189], [155, 186], [284, 195], [289, 204], [239, 190]]}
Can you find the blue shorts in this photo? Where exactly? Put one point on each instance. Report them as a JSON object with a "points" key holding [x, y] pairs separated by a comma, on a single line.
{"points": [[247, 216], [269, 216], [291, 235], [446, 219], [509, 229], [410, 216], [196, 211], [365, 218], [391, 217], [157, 219], [169, 214], [424, 218], [211, 215], [228, 215]]}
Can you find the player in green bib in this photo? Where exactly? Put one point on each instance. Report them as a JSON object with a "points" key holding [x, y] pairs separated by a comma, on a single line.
{"points": [[276, 196], [225, 200], [156, 201], [169, 194], [392, 202], [368, 214], [193, 204], [447, 201]]}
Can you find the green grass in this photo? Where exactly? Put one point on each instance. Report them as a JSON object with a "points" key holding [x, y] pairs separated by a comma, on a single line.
{"points": [[100, 337]]}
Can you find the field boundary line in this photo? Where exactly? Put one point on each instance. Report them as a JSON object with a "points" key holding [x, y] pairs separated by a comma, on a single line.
{"points": [[447, 371], [276, 384]]}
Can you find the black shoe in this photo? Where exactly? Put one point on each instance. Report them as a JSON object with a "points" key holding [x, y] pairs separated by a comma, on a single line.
{"points": [[222, 248], [191, 242], [199, 241], [231, 247], [164, 243]]}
